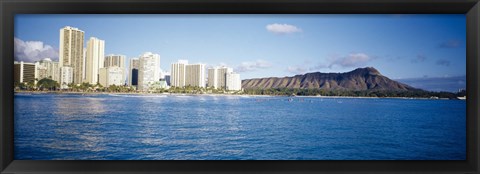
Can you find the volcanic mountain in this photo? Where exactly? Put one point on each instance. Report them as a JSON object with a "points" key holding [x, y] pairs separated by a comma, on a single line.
{"points": [[367, 78]]}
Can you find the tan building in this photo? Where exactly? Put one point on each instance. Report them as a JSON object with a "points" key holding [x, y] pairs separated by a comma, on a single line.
{"points": [[116, 61], [221, 76], [111, 76], [177, 77], [195, 75], [71, 51], [94, 59], [212, 78]]}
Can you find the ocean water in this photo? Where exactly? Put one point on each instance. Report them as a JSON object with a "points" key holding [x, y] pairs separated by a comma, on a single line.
{"points": [[176, 127]]}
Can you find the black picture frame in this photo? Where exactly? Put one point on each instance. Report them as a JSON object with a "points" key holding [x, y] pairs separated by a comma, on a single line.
{"points": [[8, 8]]}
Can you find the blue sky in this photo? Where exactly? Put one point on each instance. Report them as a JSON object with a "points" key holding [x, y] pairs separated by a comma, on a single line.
{"points": [[399, 46]]}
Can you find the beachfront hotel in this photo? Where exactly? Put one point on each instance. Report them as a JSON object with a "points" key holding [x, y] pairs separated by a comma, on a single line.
{"points": [[94, 59], [149, 70], [66, 76], [113, 60], [195, 75], [178, 73], [71, 52], [111, 76], [24, 72], [212, 80], [233, 82]]}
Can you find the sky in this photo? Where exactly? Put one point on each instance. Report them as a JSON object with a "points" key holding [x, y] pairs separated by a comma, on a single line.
{"points": [[399, 46]]}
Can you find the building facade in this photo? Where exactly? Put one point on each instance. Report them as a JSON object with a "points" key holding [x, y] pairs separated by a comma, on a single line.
{"points": [[133, 72], [111, 76], [222, 75], [195, 75], [212, 78], [233, 82], [116, 61], [94, 59], [48, 69], [149, 70], [177, 72], [66, 76], [24, 72], [71, 51]]}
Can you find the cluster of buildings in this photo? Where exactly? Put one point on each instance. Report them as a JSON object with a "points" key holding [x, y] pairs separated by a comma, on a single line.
{"points": [[78, 65]]}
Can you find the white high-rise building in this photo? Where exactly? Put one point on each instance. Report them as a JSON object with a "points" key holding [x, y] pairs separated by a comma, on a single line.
{"points": [[133, 72], [195, 75], [221, 76], [111, 76], [66, 76], [212, 78], [48, 69], [149, 70], [233, 82], [177, 77], [94, 59], [112, 60], [71, 51]]}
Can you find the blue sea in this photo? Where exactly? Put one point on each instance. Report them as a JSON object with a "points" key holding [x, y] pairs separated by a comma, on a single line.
{"points": [[204, 127]]}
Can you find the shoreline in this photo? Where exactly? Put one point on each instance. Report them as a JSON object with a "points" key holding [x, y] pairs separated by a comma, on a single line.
{"points": [[206, 94]]}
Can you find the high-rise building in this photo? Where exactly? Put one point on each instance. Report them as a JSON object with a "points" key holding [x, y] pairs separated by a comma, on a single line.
{"points": [[233, 82], [24, 72], [48, 69], [111, 76], [149, 70], [94, 59], [71, 51], [178, 73], [195, 75], [133, 72], [221, 76], [66, 76], [116, 61], [212, 78]]}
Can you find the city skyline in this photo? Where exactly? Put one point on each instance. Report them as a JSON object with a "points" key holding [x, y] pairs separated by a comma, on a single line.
{"points": [[272, 45]]}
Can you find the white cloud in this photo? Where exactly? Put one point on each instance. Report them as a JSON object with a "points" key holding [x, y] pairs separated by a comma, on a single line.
{"points": [[297, 69], [282, 28], [352, 60], [252, 66], [31, 51]]}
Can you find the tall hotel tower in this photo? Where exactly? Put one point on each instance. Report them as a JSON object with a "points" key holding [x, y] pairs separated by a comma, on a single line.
{"points": [[212, 78], [71, 53], [149, 70], [222, 76], [195, 75], [178, 73], [94, 59]]}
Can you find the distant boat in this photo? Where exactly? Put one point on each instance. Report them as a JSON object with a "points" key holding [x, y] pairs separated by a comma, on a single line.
{"points": [[462, 98]]}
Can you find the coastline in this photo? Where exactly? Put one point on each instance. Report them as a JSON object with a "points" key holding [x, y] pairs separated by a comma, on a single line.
{"points": [[209, 94]]}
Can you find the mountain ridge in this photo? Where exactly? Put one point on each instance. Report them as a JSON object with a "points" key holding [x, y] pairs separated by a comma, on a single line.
{"points": [[367, 78]]}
